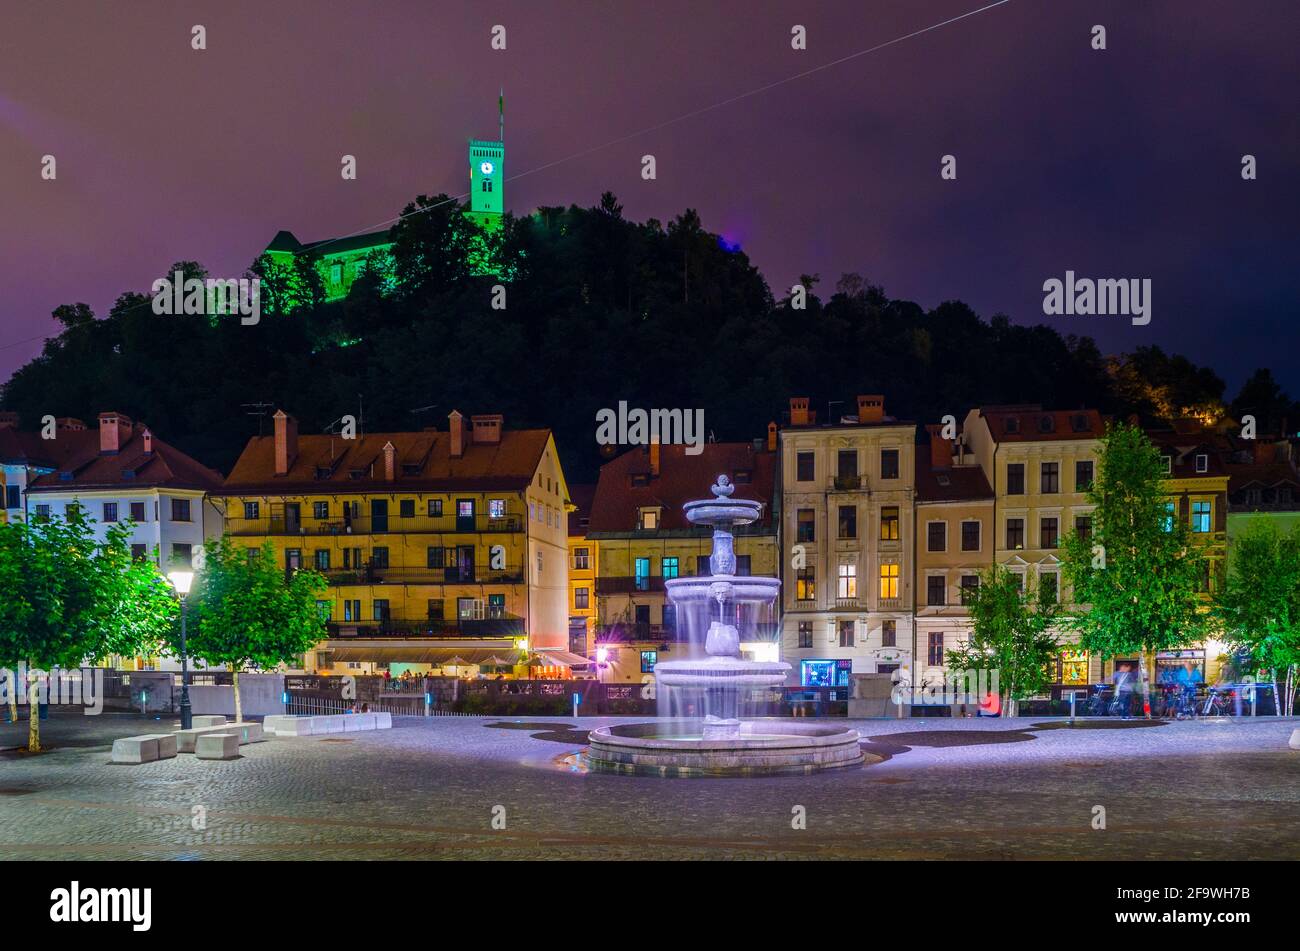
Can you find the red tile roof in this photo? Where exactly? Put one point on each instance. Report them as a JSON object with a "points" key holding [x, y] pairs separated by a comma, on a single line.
{"points": [[681, 479], [18, 447], [423, 462], [164, 467], [1185, 447], [950, 483], [1031, 423]]}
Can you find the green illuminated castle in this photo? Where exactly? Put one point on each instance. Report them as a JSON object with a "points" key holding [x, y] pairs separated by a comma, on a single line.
{"points": [[340, 259]]}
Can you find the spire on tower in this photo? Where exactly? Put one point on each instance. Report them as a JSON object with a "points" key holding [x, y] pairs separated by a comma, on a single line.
{"points": [[501, 115]]}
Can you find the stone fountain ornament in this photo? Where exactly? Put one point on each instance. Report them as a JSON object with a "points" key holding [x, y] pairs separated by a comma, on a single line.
{"points": [[718, 680]]}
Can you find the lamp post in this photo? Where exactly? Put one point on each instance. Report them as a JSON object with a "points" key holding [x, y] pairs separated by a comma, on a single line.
{"points": [[181, 581]]}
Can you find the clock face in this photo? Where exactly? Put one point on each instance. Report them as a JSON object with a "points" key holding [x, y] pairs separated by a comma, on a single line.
{"points": [[486, 168]]}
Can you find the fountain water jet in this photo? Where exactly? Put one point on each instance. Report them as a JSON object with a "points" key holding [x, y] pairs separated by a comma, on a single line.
{"points": [[721, 743]]}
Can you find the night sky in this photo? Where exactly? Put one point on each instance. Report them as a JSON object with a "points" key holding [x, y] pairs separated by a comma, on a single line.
{"points": [[1122, 163]]}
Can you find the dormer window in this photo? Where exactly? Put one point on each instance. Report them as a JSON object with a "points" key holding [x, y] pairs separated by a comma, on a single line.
{"points": [[356, 473], [65, 476], [640, 478], [1012, 424], [1079, 423], [410, 468], [1202, 462], [742, 477], [1169, 464], [1047, 424], [128, 473], [648, 520], [322, 473]]}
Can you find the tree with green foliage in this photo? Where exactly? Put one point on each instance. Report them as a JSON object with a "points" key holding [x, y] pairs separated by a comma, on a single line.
{"points": [[74, 598], [1136, 576], [1258, 606], [1011, 633], [249, 612]]}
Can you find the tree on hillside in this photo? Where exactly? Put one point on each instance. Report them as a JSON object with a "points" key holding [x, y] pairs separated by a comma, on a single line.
{"points": [[1137, 574], [248, 612], [1011, 633], [1258, 606], [1262, 396]]}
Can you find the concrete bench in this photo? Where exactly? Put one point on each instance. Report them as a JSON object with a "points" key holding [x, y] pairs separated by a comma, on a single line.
{"points": [[332, 723], [1295, 740], [358, 721], [294, 726], [217, 746], [383, 720], [135, 749], [186, 739], [275, 722], [208, 719], [166, 744], [248, 731]]}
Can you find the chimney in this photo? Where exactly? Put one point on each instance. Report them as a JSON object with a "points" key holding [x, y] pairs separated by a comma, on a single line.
{"points": [[286, 441], [871, 408], [486, 429], [8, 420], [940, 448], [654, 458], [771, 437], [390, 461], [456, 429], [799, 411], [114, 432], [147, 437]]}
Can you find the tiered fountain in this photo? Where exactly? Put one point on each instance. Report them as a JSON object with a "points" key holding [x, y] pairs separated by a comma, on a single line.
{"points": [[715, 684]]}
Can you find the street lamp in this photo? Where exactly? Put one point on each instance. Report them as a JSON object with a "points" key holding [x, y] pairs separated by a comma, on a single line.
{"points": [[181, 581]]}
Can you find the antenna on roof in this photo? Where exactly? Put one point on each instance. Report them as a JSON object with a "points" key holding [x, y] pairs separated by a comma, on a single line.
{"points": [[501, 115], [258, 410], [421, 410]]}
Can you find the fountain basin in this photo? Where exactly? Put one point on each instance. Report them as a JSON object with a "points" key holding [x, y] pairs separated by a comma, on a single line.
{"points": [[678, 749]]}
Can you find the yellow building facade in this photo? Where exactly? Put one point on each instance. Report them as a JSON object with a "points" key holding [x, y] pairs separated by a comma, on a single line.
{"points": [[455, 536]]}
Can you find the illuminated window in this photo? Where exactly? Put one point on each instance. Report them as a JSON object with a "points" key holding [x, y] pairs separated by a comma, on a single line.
{"points": [[889, 581], [670, 567], [848, 581], [889, 524], [805, 587], [1200, 516]]}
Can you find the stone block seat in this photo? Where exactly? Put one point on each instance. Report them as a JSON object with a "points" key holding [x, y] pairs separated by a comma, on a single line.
{"points": [[217, 745], [135, 749]]}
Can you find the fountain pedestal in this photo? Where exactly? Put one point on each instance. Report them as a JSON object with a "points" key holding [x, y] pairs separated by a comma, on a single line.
{"points": [[721, 744]]}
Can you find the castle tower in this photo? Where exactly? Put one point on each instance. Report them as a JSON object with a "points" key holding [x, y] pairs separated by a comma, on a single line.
{"points": [[487, 176]]}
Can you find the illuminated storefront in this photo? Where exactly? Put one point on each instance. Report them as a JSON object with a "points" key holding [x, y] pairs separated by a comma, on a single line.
{"points": [[825, 673]]}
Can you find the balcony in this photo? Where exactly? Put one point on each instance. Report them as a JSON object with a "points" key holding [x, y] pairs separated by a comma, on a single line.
{"points": [[470, 574], [368, 525], [499, 625], [848, 483], [629, 584]]}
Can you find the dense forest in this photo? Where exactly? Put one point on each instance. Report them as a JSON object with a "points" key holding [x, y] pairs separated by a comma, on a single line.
{"points": [[598, 309]]}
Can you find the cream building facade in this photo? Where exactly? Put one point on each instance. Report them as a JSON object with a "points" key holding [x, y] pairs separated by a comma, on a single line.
{"points": [[847, 526]]}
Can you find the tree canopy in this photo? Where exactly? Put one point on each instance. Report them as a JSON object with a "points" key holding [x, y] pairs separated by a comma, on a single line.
{"points": [[599, 309]]}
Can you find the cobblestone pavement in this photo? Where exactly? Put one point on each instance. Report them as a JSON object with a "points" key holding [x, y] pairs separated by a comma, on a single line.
{"points": [[962, 789]]}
